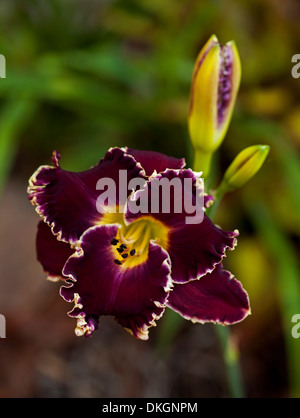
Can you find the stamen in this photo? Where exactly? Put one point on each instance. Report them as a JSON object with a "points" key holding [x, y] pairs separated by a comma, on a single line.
{"points": [[125, 255], [120, 250], [123, 246], [114, 241], [132, 252], [118, 262]]}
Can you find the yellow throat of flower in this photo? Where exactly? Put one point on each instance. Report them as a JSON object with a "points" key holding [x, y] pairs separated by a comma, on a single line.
{"points": [[131, 244]]}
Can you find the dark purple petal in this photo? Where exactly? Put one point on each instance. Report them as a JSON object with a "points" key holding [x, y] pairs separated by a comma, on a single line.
{"points": [[155, 161], [208, 200], [194, 248], [216, 297], [171, 197], [51, 253], [67, 200], [135, 296]]}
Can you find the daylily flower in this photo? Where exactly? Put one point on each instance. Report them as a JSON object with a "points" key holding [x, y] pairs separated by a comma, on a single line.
{"points": [[132, 265]]}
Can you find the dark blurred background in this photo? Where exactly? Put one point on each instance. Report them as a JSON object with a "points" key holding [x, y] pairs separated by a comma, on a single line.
{"points": [[82, 76]]}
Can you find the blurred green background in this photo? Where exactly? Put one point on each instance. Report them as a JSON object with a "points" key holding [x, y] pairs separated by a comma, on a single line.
{"points": [[82, 76]]}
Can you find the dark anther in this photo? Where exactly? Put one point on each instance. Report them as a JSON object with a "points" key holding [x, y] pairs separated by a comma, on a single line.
{"points": [[120, 250], [118, 262], [125, 255], [114, 241], [132, 252], [123, 246]]}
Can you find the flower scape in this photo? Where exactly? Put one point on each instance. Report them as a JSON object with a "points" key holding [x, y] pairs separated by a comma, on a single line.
{"points": [[130, 264]]}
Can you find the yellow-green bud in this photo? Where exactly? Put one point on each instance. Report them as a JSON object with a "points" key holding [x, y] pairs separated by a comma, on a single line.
{"points": [[215, 83], [245, 165]]}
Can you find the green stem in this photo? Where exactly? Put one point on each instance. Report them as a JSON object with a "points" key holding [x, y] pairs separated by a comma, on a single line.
{"points": [[231, 361], [219, 193], [202, 161]]}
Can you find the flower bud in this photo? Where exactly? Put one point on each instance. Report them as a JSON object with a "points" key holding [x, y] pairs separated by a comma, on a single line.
{"points": [[215, 83], [245, 165]]}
